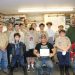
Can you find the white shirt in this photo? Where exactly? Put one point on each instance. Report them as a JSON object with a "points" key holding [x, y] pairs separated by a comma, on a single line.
{"points": [[31, 42], [51, 33]]}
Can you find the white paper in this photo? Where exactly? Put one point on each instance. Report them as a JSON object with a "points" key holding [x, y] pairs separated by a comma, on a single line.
{"points": [[63, 52], [44, 52]]}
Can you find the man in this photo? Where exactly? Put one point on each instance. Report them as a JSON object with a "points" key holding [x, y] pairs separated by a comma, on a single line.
{"points": [[9, 32], [44, 60], [63, 44], [50, 33], [3, 51], [70, 33]]}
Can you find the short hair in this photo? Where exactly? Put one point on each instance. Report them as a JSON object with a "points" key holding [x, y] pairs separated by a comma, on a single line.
{"points": [[61, 26], [32, 24], [62, 31], [31, 28], [41, 24], [16, 24], [49, 23], [17, 34], [21, 24]]}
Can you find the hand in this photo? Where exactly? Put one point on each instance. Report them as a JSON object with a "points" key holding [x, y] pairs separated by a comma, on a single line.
{"points": [[3, 49], [72, 59], [51, 55], [38, 55], [64, 49]]}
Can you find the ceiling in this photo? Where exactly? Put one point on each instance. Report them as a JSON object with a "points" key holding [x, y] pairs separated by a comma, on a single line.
{"points": [[12, 6]]}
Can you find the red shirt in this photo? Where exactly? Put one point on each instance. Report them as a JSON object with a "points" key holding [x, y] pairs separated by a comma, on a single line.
{"points": [[72, 53]]}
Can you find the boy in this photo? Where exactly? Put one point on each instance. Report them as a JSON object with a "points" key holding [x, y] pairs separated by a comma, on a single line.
{"points": [[63, 44], [32, 40], [3, 50], [18, 53], [50, 33], [41, 60], [42, 31]]}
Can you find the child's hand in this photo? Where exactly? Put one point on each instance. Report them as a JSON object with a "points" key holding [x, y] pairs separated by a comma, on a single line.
{"points": [[38, 55], [72, 59]]}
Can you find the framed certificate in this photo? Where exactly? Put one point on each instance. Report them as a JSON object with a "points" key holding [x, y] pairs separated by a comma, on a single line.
{"points": [[44, 52]]}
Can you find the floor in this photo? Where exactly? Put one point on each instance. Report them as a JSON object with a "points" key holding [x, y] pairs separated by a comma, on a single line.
{"points": [[20, 72]]}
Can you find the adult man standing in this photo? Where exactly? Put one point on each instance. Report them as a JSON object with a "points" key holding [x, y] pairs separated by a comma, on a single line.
{"points": [[3, 51]]}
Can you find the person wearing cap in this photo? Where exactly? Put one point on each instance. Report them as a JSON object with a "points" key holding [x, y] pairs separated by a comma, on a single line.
{"points": [[60, 27], [42, 31], [50, 32], [63, 44], [44, 44], [3, 50]]}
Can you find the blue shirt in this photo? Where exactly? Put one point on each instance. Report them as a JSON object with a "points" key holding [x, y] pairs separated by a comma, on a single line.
{"points": [[17, 49]]}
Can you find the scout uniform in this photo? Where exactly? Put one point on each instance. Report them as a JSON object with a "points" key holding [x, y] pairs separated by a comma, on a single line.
{"points": [[9, 46], [63, 56], [3, 40], [3, 51]]}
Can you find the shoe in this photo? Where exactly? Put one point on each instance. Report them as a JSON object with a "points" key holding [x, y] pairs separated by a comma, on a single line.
{"points": [[0, 69], [28, 70], [33, 69], [5, 71]]}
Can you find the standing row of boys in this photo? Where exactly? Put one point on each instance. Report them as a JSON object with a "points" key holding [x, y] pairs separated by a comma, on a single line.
{"points": [[20, 38]]}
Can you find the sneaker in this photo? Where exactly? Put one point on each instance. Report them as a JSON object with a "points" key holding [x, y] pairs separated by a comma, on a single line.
{"points": [[33, 69], [28, 70], [5, 71]]}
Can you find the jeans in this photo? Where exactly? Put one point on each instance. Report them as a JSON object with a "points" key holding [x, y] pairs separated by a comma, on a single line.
{"points": [[3, 60], [63, 59], [73, 65], [64, 63], [39, 64], [19, 59]]}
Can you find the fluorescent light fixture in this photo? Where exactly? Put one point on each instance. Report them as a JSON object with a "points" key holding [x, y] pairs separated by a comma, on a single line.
{"points": [[45, 10]]}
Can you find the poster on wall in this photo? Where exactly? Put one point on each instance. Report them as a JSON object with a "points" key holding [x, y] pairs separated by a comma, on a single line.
{"points": [[55, 19]]}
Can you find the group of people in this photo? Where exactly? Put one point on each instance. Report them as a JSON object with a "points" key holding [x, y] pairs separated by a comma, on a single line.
{"points": [[20, 44]]}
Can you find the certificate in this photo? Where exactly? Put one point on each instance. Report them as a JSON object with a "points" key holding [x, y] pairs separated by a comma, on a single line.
{"points": [[44, 52]]}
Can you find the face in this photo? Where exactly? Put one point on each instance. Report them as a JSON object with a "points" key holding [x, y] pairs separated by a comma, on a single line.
{"points": [[41, 27], [43, 40], [34, 26], [31, 31], [17, 38], [1, 27], [49, 26], [62, 34], [10, 27], [17, 27]]}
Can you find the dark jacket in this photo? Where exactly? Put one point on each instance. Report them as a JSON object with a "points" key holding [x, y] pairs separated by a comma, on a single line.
{"points": [[22, 48]]}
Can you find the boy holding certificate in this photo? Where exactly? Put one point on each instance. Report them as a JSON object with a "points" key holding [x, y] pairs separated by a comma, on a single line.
{"points": [[43, 56]]}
